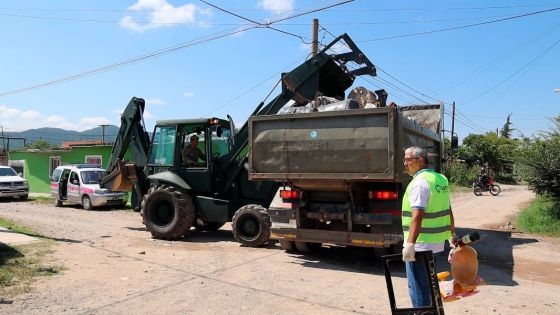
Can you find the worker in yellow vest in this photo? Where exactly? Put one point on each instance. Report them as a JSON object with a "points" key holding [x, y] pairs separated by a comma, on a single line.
{"points": [[427, 220]]}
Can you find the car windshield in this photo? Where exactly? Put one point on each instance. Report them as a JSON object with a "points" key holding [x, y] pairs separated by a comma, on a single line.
{"points": [[91, 177], [7, 172]]}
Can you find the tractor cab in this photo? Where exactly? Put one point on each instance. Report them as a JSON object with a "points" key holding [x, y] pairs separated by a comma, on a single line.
{"points": [[193, 149]]}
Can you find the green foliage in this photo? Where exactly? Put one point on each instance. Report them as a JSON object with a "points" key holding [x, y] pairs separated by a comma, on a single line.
{"points": [[498, 152], [461, 173], [507, 129], [41, 145], [542, 217], [539, 166]]}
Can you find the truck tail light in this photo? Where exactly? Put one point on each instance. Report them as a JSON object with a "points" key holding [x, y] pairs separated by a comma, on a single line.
{"points": [[290, 194], [383, 195]]}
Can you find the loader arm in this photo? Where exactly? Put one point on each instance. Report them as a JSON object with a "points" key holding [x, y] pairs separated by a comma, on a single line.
{"points": [[121, 175], [322, 74]]}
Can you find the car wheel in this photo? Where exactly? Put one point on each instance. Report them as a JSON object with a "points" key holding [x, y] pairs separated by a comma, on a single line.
{"points": [[86, 203]]}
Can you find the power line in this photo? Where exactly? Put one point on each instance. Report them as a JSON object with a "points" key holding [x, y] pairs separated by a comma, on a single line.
{"points": [[460, 27], [529, 64], [495, 61], [119, 64], [165, 51], [294, 10]]}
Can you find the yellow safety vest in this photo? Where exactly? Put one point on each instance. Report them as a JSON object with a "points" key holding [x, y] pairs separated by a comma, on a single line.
{"points": [[436, 222]]}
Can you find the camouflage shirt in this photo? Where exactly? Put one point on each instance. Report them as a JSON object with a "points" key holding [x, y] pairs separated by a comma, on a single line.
{"points": [[191, 155]]}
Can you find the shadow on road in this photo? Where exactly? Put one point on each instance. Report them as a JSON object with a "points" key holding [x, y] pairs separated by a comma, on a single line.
{"points": [[495, 255]]}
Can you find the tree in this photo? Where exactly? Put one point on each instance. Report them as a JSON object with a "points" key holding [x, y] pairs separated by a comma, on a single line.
{"points": [[506, 129], [539, 162], [41, 145]]}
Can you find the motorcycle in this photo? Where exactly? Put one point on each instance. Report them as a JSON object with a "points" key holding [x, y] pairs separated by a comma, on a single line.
{"points": [[486, 184]]}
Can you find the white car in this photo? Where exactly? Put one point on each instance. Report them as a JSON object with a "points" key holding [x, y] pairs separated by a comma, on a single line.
{"points": [[80, 184], [12, 184]]}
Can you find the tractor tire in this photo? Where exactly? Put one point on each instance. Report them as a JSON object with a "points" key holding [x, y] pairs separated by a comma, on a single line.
{"points": [[307, 247], [288, 246], [203, 226], [251, 225], [167, 212]]}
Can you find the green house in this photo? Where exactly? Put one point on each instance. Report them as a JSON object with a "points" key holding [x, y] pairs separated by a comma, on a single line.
{"points": [[37, 166]]}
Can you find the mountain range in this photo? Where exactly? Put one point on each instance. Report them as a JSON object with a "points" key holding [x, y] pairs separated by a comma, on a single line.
{"points": [[57, 136]]}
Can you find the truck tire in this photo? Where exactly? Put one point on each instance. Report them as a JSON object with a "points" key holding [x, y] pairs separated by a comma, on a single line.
{"points": [[307, 247], [288, 246], [251, 225], [203, 226], [167, 212]]}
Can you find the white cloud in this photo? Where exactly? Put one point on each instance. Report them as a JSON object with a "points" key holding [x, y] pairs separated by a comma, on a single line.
{"points": [[159, 13], [277, 6], [17, 120], [148, 115], [188, 94], [92, 122], [155, 101]]}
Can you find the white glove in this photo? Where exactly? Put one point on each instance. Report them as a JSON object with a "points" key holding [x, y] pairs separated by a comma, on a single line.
{"points": [[408, 252]]}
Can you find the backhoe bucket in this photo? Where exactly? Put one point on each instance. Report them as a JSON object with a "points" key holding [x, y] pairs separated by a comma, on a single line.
{"points": [[122, 178]]}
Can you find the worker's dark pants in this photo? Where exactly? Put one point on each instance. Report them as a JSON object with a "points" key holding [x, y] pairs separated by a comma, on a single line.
{"points": [[418, 283]]}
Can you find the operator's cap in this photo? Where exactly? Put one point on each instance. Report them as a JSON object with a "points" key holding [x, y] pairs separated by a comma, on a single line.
{"points": [[194, 137]]}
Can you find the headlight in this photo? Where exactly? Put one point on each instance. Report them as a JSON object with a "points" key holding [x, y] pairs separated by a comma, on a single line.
{"points": [[99, 191]]}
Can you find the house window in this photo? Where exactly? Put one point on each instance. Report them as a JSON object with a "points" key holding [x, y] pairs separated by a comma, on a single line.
{"points": [[94, 159], [54, 163]]}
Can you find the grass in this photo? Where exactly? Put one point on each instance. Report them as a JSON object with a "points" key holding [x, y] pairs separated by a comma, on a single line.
{"points": [[21, 265], [10, 225], [42, 200], [542, 216]]}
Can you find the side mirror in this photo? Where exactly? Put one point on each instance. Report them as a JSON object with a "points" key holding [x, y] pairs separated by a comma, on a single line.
{"points": [[219, 131], [454, 142]]}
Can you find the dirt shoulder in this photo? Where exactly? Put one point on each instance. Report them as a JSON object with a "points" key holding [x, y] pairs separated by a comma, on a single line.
{"points": [[112, 265]]}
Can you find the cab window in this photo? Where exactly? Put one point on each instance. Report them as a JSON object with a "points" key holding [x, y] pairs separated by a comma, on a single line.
{"points": [[56, 175], [74, 178], [221, 138], [163, 146], [193, 152]]}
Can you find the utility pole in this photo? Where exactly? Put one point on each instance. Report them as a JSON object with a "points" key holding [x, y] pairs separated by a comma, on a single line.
{"points": [[103, 133], [452, 132], [315, 37]]}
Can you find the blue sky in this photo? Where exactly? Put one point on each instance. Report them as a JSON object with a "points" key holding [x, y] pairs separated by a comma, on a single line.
{"points": [[490, 70]]}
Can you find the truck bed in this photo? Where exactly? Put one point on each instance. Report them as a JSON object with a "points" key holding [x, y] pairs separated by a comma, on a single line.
{"points": [[350, 145]]}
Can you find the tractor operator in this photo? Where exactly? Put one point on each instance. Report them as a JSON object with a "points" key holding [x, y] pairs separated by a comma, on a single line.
{"points": [[427, 221], [192, 153]]}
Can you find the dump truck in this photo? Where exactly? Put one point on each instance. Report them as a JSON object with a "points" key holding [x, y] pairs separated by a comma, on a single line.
{"points": [[341, 171], [173, 196]]}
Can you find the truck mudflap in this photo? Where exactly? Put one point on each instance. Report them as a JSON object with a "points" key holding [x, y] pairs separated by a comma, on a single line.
{"points": [[336, 237]]}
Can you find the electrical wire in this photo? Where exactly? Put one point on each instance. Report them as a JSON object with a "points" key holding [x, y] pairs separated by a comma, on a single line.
{"points": [[459, 27], [527, 65], [161, 52]]}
